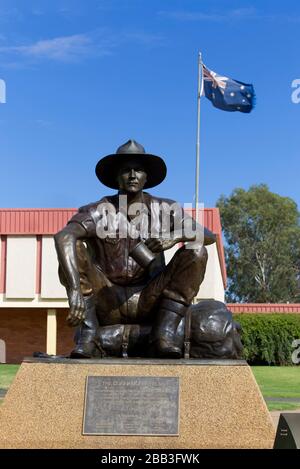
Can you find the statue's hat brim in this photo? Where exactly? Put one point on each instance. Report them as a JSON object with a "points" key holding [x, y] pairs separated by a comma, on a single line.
{"points": [[107, 169]]}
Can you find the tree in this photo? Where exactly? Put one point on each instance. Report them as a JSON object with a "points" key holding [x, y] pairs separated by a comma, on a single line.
{"points": [[262, 246]]}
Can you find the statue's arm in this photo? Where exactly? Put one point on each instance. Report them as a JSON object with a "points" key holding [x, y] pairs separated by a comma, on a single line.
{"points": [[184, 229], [192, 230], [208, 236], [65, 243]]}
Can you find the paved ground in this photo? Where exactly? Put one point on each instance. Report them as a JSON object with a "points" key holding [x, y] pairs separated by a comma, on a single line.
{"points": [[295, 400]]}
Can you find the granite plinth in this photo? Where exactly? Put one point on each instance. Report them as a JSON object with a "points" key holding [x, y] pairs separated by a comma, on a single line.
{"points": [[220, 405]]}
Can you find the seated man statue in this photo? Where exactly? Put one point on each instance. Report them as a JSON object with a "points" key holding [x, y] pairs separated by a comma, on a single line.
{"points": [[111, 258]]}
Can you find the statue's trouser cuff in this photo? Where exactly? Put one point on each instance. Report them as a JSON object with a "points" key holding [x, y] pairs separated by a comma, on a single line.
{"points": [[170, 305], [164, 331], [86, 332]]}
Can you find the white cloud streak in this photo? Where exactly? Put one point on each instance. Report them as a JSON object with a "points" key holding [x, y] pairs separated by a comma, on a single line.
{"points": [[238, 14], [77, 47], [65, 48], [231, 15]]}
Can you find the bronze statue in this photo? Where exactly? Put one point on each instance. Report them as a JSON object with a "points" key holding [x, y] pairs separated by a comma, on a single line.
{"points": [[123, 298]]}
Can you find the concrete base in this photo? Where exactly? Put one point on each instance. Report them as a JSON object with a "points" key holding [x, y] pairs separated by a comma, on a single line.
{"points": [[220, 405]]}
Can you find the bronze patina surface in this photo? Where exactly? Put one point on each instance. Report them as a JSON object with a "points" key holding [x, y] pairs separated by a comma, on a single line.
{"points": [[124, 300]]}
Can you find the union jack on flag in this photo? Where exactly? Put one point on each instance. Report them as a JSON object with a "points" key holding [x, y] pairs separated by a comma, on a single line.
{"points": [[225, 93]]}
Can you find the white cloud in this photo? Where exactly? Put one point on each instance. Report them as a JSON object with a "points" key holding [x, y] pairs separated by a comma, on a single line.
{"points": [[78, 46], [182, 15], [37, 12], [65, 48], [8, 15], [43, 123], [237, 14], [243, 13], [142, 38]]}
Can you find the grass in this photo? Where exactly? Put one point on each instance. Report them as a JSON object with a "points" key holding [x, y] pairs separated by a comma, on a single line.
{"points": [[278, 381], [7, 374], [282, 406]]}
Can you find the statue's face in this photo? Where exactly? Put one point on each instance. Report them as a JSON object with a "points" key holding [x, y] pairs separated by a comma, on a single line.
{"points": [[132, 177]]}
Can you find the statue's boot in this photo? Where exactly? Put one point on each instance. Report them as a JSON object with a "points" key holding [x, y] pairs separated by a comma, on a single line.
{"points": [[85, 336], [164, 334]]}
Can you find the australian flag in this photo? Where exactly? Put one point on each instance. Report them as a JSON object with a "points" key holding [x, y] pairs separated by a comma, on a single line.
{"points": [[225, 93]]}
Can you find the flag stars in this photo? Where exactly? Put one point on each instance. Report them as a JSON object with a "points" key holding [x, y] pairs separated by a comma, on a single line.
{"points": [[225, 93]]}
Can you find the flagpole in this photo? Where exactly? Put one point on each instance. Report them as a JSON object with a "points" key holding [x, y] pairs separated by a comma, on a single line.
{"points": [[198, 135]]}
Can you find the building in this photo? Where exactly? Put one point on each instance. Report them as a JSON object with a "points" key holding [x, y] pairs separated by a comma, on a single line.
{"points": [[33, 304]]}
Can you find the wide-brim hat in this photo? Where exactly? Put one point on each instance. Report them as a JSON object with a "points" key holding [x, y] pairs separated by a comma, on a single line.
{"points": [[107, 168]]}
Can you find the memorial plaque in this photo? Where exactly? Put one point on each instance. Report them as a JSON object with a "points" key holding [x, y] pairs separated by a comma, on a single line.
{"points": [[131, 405]]}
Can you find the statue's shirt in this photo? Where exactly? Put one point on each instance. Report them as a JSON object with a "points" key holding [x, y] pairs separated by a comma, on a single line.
{"points": [[113, 230]]}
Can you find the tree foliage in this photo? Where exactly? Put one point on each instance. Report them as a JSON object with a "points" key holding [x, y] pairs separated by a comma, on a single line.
{"points": [[262, 246]]}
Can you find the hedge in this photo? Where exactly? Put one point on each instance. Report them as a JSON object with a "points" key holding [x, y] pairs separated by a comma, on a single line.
{"points": [[267, 338]]}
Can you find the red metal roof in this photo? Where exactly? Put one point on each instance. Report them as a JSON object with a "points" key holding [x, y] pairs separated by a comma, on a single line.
{"points": [[38, 221], [263, 308], [41, 221], [48, 221]]}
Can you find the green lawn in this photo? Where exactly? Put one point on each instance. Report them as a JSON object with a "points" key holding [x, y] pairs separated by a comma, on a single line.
{"points": [[278, 381], [282, 406], [7, 374]]}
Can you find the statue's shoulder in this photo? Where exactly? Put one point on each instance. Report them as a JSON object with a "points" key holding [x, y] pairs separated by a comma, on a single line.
{"points": [[92, 206], [149, 198]]}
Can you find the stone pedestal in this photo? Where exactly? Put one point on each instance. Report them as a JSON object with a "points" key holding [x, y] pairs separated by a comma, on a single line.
{"points": [[220, 405]]}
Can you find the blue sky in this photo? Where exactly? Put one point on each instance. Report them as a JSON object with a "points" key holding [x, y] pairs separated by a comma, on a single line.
{"points": [[83, 77]]}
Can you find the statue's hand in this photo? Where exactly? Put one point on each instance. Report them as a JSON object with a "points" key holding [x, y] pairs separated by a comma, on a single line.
{"points": [[160, 244], [77, 308]]}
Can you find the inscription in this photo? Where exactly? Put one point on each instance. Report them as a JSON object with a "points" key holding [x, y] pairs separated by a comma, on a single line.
{"points": [[125, 405]]}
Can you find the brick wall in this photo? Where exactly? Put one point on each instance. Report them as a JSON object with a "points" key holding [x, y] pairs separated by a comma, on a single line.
{"points": [[24, 332], [65, 333]]}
